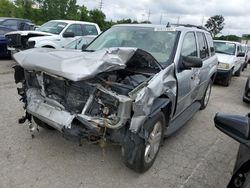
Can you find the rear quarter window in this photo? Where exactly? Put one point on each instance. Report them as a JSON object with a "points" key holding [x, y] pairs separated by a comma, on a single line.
{"points": [[211, 44]]}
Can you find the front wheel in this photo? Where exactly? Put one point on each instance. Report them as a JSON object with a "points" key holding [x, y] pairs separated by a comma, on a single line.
{"points": [[238, 72], [206, 97], [139, 153]]}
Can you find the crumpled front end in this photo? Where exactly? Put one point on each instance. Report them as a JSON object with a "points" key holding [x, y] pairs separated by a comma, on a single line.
{"points": [[111, 97], [82, 109]]}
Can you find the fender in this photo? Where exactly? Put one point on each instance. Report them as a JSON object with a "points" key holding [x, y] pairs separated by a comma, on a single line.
{"points": [[159, 105]]}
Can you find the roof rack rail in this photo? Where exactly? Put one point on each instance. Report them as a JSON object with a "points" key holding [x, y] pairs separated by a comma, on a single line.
{"points": [[190, 25]]}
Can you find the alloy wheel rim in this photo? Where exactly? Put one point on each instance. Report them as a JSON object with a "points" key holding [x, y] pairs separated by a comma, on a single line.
{"points": [[207, 95], [153, 143]]}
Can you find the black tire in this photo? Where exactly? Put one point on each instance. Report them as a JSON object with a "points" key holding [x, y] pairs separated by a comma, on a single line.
{"points": [[205, 100], [228, 79], [42, 124], [238, 72], [134, 146]]}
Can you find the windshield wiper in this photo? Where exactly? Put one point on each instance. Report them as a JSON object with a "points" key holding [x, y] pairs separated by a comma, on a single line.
{"points": [[88, 50]]}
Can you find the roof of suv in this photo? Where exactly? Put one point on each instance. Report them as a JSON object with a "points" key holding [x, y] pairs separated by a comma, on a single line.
{"points": [[164, 27]]}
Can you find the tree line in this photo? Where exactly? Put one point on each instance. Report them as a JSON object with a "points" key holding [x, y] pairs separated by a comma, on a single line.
{"points": [[41, 11]]}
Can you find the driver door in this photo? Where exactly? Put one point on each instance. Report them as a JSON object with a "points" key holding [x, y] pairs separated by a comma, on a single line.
{"points": [[73, 28], [187, 79]]}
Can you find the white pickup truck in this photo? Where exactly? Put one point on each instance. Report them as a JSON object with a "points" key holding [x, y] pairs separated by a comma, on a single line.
{"points": [[53, 34], [231, 58]]}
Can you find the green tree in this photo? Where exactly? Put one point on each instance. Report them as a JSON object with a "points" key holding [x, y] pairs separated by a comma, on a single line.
{"points": [[72, 10], [7, 8], [98, 17], [84, 13], [215, 24], [229, 38]]}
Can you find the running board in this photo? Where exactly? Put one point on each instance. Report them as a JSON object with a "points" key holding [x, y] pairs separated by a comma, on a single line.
{"points": [[182, 119]]}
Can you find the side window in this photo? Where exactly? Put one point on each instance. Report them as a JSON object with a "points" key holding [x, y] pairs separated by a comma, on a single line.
{"points": [[211, 44], [89, 30], [189, 47], [76, 29], [10, 24], [203, 48]]}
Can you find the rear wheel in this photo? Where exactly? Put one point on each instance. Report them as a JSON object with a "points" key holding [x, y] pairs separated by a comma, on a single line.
{"points": [[42, 124], [206, 97], [139, 154]]}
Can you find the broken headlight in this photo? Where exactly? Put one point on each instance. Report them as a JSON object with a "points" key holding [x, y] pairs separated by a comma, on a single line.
{"points": [[223, 66], [104, 105]]}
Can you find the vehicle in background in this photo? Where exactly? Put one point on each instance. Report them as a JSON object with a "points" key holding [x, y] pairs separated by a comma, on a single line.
{"points": [[80, 43], [231, 58], [245, 50], [246, 96], [133, 85], [238, 128], [53, 34], [3, 41], [16, 23], [248, 54]]}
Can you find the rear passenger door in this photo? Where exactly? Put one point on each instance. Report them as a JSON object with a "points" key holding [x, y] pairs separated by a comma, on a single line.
{"points": [[187, 79], [203, 72]]}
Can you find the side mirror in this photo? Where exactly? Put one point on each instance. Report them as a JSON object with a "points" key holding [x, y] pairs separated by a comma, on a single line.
{"points": [[241, 54], [68, 35], [237, 127], [188, 62], [84, 46]]}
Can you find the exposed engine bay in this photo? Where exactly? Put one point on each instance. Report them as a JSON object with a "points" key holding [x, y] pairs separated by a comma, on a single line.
{"points": [[104, 101]]}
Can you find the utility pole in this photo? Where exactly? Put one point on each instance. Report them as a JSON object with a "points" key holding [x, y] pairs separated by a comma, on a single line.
{"points": [[149, 14], [178, 20], [161, 19], [101, 4], [202, 21]]}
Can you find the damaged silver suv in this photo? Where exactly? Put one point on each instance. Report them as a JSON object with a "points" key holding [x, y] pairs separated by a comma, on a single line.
{"points": [[133, 85]]}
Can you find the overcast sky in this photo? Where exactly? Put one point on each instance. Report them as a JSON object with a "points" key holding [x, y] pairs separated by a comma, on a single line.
{"points": [[236, 13]]}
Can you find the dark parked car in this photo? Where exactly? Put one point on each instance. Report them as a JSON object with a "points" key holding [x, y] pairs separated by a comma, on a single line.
{"points": [[3, 41], [246, 97], [238, 127], [16, 23]]}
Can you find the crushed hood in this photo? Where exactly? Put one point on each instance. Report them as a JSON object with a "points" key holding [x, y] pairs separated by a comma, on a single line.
{"points": [[74, 65]]}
